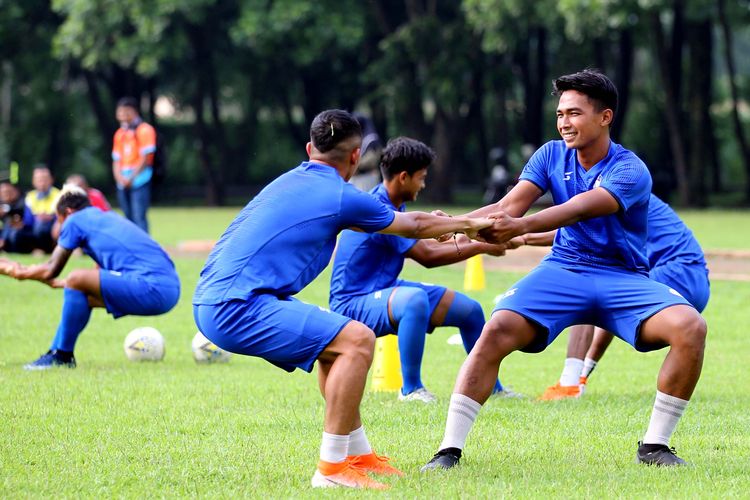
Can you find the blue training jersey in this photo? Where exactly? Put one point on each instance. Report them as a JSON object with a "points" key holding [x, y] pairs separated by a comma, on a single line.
{"points": [[365, 262], [116, 244], [669, 238], [285, 236], [612, 241]]}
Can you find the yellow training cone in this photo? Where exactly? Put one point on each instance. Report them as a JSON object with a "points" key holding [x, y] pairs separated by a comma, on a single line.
{"points": [[386, 371], [474, 275]]}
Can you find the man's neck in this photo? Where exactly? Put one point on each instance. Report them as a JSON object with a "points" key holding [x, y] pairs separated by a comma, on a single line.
{"points": [[340, 169], [393, 194], [593, 153]]}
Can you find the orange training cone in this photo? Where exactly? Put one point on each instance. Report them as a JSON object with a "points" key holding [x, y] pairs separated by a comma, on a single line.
{"points": [[474, 275], [386, 371]]}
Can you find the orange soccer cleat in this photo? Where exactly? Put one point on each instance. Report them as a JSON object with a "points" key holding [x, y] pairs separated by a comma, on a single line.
{"points": [[582, 383], [558, 391], [372, 462], [329, 475]]}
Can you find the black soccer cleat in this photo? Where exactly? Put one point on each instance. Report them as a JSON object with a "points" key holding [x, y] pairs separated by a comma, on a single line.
{"points": [[52, 359], [657, 454], [443, 459]]}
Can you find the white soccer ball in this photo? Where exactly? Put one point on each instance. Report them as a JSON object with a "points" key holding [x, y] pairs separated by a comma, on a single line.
{"points": [[205, 351], [144, 344]]}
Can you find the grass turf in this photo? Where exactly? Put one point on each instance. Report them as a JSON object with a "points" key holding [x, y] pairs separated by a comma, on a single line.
{"points": [[177, 429]]}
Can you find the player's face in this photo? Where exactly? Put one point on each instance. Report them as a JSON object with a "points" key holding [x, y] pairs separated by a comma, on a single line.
{"points": [[578, 121], [41, 180], [414, 183]]}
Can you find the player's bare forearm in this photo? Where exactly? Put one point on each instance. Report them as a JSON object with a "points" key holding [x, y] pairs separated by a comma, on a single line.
{"points": [[46, 272], [539, 239], [595, 203], [431, 253], [516, 203], [423, 225]]}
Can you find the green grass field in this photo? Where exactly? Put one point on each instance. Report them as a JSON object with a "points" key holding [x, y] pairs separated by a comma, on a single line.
{"points": [[113, 428]]}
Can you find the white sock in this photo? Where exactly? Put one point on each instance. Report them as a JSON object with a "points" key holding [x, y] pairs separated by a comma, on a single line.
{"points": [[588, 367], [358, 443], [333, 448], [462, 412], [667, 412], [572, 371]]}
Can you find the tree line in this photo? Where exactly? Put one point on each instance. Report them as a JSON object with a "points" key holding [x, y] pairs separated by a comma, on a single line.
{"points": [[233, 84]]}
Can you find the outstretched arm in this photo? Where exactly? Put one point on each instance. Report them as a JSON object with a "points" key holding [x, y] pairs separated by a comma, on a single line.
{"points": [[516, 203], [46, 273], [423, 225], [595, 203], [431, 253]]}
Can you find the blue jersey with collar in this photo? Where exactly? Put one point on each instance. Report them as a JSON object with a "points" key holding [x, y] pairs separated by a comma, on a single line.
{"points": [[613, 241], [116, 244], [364, 262], [284, 238], [669, 238]]}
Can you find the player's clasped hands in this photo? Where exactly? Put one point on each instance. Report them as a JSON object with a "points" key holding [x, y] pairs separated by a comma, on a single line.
{"points": [[503, 229]]}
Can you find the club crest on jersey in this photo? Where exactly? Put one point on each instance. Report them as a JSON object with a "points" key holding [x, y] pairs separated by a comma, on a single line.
{"points": [[598, 181]]}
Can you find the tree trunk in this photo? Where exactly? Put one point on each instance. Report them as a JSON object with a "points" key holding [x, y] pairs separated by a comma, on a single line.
{"points": [[211, 168], [671, 108], [729, 60], [623, 77], [105, 117], [699, 101], [440, 186]]}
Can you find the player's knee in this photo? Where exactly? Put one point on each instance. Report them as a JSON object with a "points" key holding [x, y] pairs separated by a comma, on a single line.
{"points": [[75, 280], [362, 341], [507, 331], [689, 331], [419, 303]]}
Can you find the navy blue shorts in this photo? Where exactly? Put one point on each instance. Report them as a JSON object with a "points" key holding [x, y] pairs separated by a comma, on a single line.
{"points": [[372, 308], [690, 279], [132, 294], [284, 331], [556, 297]]}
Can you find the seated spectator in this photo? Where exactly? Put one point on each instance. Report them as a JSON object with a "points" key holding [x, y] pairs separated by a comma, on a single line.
{"points": [[17, 233], [41, 200], [96, 197]]}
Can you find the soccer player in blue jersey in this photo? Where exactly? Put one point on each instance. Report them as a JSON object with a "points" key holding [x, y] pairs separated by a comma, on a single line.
{"points": [[135, 276], [365, 282], [596, 273], [277, 245], [676, 259]]}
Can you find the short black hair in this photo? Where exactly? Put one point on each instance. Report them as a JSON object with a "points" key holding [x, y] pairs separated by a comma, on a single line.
{"points": [[332, 127], [592, 83], [74, 198], [403, 154], [128, 102]]}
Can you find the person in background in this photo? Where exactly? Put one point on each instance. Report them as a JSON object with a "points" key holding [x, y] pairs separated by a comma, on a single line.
{"points": [[132, 160], [96, 197], [17, 234], [41, 200]]}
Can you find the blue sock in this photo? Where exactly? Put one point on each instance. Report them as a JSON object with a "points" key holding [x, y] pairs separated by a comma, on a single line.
{"points": [[75, 315], [466, 314], [411, 310]]}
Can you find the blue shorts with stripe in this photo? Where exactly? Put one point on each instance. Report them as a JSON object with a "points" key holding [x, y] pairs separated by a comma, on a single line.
{"points": [[284, 331], [133, 294], [557, 296], [372, 308]]}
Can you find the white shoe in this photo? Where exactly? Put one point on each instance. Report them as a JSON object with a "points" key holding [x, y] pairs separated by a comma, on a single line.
{"points": [[507, 394], [421, 394], [350, 477]]}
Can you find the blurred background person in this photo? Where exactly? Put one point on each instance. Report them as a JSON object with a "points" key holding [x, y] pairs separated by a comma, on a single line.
{"points": [[132, 160], [41, 200], [96, 197], [17, 233]]}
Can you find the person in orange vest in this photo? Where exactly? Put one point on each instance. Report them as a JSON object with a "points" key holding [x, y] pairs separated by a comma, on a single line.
{"points": [[132, 161]]}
